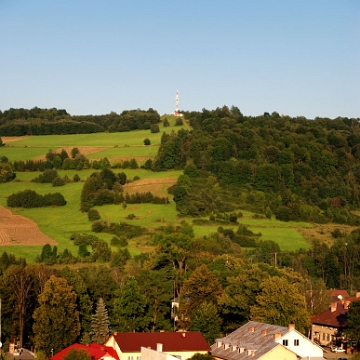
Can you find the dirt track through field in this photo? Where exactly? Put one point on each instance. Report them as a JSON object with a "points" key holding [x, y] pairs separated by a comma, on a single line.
{"points": [[18, 230]]}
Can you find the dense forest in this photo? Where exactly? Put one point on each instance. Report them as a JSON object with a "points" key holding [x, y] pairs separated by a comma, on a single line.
{"points": [[293, 168], [19, 122]]}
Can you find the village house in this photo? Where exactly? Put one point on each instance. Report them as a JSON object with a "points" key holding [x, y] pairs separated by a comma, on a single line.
{"points": [[327, 327], [266, 342], [182, 345]]}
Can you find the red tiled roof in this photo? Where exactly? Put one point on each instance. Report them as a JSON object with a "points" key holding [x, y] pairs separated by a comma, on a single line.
{"points": [[109, 350], [94, 350], [171, 341], [337, 318]]}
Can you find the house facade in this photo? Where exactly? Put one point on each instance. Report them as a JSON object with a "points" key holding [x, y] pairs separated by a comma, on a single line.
{"points": [[266, 342], [182, 345], [327, 327]]}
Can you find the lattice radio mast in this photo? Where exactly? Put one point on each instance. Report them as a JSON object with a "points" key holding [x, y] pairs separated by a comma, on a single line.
{"points": [[177, 103]]}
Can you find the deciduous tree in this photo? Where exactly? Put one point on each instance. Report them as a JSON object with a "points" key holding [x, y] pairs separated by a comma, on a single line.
{"points": [[57, 322]]}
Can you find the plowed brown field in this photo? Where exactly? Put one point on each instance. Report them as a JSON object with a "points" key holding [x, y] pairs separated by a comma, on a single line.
{"points": [[157, 187], [18, 230]]}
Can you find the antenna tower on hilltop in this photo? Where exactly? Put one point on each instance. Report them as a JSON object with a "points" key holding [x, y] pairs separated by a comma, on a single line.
{"points": [[176, 112]]}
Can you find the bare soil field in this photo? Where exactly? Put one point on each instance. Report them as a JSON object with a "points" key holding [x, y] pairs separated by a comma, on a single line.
{"points": [[9, 139], [18, 230], [157, 187]]}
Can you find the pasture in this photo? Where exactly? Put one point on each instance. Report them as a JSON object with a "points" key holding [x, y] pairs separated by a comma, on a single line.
{"points": [[59, 223]]}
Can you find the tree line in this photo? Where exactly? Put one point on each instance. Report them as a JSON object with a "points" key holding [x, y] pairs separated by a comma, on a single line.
{"points": [[295, 168], [19, 122]]}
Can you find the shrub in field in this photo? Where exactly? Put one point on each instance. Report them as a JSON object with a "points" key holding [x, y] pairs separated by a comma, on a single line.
{"points": [[179, 122], [54, 199], [119, 241], [166, 122], [123, 229], [47, 176], [147, 142], [119, 258], [83, 239], [100, 251], [58, 181], [93, 215], [98, 226], [83, 251], [76, 178], [154, 128], [30, 199], [148, 164], [6, 173]]}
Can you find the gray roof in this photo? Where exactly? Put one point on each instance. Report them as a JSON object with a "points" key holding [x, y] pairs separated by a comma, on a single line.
{"points": [[251, 336]]}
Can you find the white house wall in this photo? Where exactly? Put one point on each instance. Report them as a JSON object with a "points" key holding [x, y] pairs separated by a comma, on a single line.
{"points": [[305, 349]]}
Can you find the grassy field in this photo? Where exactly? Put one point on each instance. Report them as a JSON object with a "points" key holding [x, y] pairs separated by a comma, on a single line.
{"points": [[60, 222], [127, 151]]}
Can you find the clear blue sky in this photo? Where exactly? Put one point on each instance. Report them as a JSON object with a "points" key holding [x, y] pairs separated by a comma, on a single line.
{"points": [[299, 58]]}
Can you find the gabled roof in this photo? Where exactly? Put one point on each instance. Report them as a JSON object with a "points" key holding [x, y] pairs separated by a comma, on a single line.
{"points": [[171, 341], [109, 350], [251, 336], [94, 350], [336, 314], [336, 319]]}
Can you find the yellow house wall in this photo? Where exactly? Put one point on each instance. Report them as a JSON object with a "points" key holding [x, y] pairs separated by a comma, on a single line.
{"points": [[184, 354], [279, 353]]}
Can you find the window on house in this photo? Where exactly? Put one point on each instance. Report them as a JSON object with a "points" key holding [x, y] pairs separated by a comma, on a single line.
{"points": [[138, 358], [285, 342], [323, 336], [296, 342], [328, 337], [130, 358]]}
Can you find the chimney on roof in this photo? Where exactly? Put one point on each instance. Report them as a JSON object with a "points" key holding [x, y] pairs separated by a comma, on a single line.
{"points": [[346, 305], [333, 307], [159, 347], [241, 350], [115, 333], [251, 352], [263, 332], [251, 329], [277, 335], [358, 295], [291, 327], [183, 334]]}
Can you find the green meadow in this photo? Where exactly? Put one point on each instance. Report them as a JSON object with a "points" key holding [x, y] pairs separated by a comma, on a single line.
{"points": [[60, 222], [126, 151]]}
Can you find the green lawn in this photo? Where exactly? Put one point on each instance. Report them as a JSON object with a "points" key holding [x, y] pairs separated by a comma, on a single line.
{"points": [[288, 239], [127, 151], [21, 153]]}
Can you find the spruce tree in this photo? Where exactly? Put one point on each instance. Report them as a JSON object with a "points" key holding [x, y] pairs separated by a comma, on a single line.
{"points": [[100, 323]]}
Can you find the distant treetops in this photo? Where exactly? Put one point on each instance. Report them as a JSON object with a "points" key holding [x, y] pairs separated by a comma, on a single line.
{"points": [[18, 122]]}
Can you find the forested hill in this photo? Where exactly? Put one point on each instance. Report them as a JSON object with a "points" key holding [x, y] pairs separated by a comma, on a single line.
{"points": [[19, 122], [294, 168]]}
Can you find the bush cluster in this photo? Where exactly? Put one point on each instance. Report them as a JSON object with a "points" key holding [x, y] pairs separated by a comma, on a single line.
{"points": [[30, 199], [121, 229]]}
